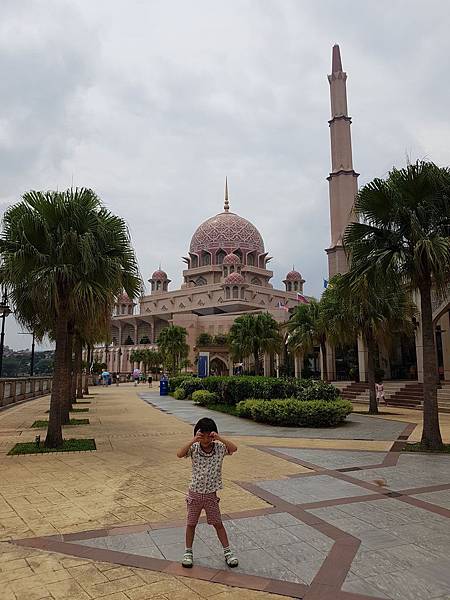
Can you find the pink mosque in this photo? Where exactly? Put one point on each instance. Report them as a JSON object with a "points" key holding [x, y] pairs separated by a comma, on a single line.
{"points": [[227, 274]]}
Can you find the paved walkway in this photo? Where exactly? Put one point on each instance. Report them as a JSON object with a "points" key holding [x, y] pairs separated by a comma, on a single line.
{"points": [[307, 515]]}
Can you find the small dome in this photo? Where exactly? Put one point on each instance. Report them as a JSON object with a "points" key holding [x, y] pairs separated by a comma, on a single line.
{"points": [[293, 276], [231, 259], [159, 275], [124, 298], [234, 278]]}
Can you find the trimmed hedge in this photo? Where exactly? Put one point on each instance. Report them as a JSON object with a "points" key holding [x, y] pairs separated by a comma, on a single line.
{"points": [[233, 389], [179, 394], [175, 382], [295, 413], [203, 397]]}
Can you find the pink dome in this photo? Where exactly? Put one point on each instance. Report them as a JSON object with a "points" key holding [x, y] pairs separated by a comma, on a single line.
{"points": [[293, 276], [159, 275], [234, 279], [124, 298], [228, 231], [231, 259]]}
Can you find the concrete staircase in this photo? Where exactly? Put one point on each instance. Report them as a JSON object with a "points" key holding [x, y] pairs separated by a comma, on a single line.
{"points": [[407, 394]]}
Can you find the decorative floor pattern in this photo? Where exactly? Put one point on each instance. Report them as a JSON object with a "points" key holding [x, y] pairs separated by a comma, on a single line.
{"points": [[329, 534]]}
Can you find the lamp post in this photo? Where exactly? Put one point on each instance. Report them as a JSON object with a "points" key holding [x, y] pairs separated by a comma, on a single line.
{"points": [[5, 310], [32, 349]]}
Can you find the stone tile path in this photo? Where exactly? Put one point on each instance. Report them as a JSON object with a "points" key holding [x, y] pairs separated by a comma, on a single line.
{"points": [[357, 426], [307, 522]]}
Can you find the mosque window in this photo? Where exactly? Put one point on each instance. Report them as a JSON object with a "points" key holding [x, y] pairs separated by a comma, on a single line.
{"points": [[235, 291], [242, 293], [250, 259], [158, 285], [206, 259], [220, 256], [200, 281], [289, 286], [194, 261], [227, 293], [225, 271]]}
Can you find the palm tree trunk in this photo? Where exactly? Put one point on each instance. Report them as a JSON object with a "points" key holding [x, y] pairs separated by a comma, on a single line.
{"points": [[431, 433], [54, 438], [256, 359], [78, 366], [86, 379], [66, 404], [371, 349], [323, 349]]}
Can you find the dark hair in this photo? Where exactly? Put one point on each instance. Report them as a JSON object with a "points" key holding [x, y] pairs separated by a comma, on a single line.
{"points": [[205, 425]]}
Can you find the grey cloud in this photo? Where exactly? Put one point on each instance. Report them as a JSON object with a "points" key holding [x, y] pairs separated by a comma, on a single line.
{"points": [[153, 103]]}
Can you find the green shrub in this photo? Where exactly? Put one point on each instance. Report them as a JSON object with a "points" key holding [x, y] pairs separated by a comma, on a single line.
{"points": [[203, 397], [204, 339], [317, 390], [296, 413], [244, 408], [191, 385], [232, 389], [179, 394], [175, 382]]}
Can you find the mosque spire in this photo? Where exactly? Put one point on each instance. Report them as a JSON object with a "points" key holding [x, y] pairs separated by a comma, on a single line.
{"points": [[226, 205], [343, 180]]}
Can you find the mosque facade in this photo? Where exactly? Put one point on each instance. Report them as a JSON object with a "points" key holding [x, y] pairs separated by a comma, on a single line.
{"points": [[227, 275]]}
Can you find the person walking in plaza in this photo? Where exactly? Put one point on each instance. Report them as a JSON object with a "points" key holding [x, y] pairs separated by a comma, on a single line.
{"points": [[206, 450], [136, 376], [379, 388], [150, 381]]}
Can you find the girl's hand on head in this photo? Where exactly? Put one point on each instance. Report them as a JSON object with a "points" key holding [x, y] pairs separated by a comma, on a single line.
{"points": [[197, 437], [214, 435]]}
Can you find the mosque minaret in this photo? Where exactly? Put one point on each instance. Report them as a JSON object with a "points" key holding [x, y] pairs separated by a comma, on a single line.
{"points": [[343, 180]]}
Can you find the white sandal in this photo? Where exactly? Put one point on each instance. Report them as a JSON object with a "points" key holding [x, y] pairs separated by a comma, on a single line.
{"points": [[230, 558], [188, 559]]}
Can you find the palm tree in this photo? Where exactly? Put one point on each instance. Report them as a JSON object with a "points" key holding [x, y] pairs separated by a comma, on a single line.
{"points": [[306, 329], [373, 310], [405, 229], [74, 255], [250, 335], [173, 347]]}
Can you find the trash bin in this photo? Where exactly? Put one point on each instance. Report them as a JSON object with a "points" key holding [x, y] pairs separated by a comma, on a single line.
{"points": [[164, 387]]}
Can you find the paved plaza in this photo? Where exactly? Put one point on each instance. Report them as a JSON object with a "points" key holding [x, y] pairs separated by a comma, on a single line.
{"points": [[313, 514]]}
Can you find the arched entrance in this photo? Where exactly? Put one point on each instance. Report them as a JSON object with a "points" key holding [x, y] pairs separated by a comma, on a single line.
{"points": [[218, 366]]}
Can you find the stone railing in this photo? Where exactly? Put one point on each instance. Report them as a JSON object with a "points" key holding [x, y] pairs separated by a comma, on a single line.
{"points": [[23, 388]]}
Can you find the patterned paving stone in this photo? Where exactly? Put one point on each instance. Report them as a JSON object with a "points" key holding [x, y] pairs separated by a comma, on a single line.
{"points": [[311, 489], [330, 459]]}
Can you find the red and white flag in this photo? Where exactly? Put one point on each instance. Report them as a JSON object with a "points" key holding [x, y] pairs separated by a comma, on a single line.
{"points": [[301, 299]]}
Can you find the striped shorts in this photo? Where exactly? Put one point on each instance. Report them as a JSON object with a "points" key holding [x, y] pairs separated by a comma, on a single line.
{"points": [[196, 502]]}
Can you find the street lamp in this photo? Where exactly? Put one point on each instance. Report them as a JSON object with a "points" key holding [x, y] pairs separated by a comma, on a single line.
{"points": [[5, 311], [32, 350]]}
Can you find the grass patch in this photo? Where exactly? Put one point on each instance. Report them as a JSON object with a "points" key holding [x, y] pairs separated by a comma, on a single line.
{"points": [[84, 445], [417, 447], [42, 424]]}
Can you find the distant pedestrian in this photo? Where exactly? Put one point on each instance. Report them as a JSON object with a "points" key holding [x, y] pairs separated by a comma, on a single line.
{"points": [[136, 376], [150, 381], [379, 388], [104, 377]]}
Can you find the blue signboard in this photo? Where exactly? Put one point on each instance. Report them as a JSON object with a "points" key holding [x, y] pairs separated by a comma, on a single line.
{"points": [[203, 365]]}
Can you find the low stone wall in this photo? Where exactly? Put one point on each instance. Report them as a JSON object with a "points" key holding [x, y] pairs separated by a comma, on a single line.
{"points": [[18, 389]]}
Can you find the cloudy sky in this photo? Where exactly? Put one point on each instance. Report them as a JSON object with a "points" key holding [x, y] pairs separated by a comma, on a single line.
{"points": [[151, 103]]}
